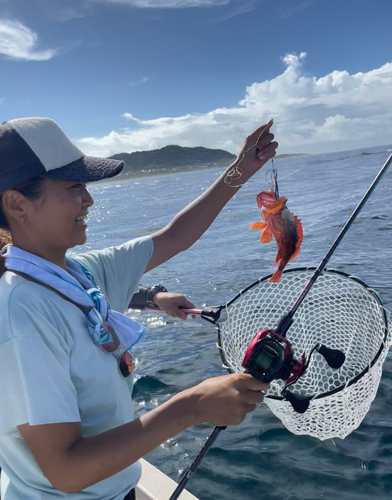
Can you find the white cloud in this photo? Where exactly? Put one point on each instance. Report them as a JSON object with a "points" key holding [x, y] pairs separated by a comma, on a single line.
{"points": [[334, 112], [139, 82], [66, 14], [288, 10], [168, 4], [241, 7], [19, 42]]}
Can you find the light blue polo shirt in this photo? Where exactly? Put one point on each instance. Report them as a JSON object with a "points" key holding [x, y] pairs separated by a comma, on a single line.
{"points": [[51, 371]]}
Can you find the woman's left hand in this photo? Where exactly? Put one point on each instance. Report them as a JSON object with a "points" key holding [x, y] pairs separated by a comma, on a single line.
{"points": [[173, 303], [259, 147]]}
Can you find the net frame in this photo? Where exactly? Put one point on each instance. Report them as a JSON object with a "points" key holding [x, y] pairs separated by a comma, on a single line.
{"points": [[345, 398]]}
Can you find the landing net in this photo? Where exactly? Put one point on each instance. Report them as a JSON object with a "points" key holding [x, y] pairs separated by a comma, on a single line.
{"points": [[340, 312]]}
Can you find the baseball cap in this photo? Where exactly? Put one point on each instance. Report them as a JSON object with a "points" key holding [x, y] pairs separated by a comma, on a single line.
{"points": [[38, 147]]}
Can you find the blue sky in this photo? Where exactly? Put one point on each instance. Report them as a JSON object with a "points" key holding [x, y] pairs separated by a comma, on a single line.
{"points": [[126, 75]]}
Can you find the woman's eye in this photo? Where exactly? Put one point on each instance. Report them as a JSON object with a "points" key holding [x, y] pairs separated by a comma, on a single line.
{"points": [[78, 186]]}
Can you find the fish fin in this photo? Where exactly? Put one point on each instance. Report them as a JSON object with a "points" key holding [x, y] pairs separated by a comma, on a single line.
{"points": [[276, 277], [300, 233], [258, 225], [278, 258], [266, 236], [276, 206]]}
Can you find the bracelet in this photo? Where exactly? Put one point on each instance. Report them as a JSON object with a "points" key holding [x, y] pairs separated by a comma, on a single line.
{"points": [[151, 292], [144, 297]]}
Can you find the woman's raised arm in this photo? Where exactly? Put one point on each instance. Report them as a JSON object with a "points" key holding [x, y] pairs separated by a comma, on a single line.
{"points": [[187, 226]]}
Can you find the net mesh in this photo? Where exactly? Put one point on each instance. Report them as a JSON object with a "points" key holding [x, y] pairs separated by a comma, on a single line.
{"points": [[340, 312]]}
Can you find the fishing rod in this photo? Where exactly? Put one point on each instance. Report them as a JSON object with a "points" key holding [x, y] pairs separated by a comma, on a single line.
{"points": [[286, 321], [332, 357]]}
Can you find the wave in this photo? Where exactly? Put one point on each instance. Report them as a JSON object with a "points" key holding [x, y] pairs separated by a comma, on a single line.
{"points": [[329, 160]]}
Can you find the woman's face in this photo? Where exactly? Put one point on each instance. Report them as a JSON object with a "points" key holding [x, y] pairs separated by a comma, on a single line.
{"points": [[58, 219]]}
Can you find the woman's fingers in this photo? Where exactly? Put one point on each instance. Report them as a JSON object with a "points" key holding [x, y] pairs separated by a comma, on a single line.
{"points": [[265, 141], [181, 315], [261, 131], [188, 304], [227, 400], [254, 397], [268, 151], [173, 303], [259, 147]]}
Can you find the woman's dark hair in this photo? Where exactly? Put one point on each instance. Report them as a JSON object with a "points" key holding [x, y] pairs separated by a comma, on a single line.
{"points": [[33, 189]]}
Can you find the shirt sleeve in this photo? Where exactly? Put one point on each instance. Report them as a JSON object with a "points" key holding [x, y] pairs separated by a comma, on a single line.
{"points": [[118, 269], [34, 370]]}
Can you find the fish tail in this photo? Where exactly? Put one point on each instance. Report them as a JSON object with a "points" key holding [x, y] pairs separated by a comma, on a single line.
{"points": [[276, 276], [278, 273], [278, 257]]}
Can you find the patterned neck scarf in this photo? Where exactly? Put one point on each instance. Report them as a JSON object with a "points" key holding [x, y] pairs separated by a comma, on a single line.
{"points": [[79, 286]]}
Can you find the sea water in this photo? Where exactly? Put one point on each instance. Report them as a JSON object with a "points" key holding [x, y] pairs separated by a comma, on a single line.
{"points": [[258, 459]]}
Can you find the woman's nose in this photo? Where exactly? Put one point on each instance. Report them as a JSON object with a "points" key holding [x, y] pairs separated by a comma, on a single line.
{"points": [[87, 198]]}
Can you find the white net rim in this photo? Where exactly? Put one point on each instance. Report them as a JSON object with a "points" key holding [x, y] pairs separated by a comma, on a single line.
{"points": [[383, 344]]}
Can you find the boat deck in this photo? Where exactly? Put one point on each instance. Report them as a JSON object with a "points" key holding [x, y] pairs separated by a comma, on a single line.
{"points": [[155, 485]]}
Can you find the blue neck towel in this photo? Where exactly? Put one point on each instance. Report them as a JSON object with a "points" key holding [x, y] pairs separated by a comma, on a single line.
{"points": [[79, 285]]}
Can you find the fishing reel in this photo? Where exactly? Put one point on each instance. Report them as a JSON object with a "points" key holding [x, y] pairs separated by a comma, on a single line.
{"points": [[270, 356]]}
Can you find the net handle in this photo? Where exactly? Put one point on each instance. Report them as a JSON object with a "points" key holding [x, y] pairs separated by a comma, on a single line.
{"points": [[286, 321], [194, 312]]}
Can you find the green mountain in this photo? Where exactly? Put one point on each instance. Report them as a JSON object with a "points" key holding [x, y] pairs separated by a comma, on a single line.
{"points": [[172, 159]]}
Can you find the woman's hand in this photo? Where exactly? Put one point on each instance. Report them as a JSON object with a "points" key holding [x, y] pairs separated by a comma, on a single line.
{"points": [[228, 399], [173, 303], [256, 151], [72, 462]]}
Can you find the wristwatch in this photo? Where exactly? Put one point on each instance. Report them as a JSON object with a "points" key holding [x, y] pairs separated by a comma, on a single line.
{"points": [[151, 292]]}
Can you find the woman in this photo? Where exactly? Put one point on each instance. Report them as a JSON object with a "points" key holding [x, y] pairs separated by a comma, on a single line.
{"points": [[66, 423]]}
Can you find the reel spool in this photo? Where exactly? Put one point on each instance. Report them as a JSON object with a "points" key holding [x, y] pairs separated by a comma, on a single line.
{"points": [[271, 357]]}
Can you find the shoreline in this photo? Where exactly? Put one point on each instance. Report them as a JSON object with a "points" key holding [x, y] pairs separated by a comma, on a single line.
{"points": [[155, 172]]}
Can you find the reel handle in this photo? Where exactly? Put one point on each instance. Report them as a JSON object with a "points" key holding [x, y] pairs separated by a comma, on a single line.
{"points": [[334, 357], [300, 404]]}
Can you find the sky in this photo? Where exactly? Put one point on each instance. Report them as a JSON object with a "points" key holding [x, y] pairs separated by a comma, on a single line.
{"points": [[126, 75]]}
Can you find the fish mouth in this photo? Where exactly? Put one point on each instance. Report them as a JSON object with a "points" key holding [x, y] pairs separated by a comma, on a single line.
{"points": [[266, 198]]}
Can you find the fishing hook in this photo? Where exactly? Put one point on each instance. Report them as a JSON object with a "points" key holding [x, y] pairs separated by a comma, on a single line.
{"points": [[272, 178]]}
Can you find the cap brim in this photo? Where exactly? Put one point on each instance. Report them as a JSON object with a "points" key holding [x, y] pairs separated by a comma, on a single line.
{"points": [[86, 169]]}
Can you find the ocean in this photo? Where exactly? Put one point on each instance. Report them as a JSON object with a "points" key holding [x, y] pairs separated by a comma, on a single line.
{"points": [[258, 459]]}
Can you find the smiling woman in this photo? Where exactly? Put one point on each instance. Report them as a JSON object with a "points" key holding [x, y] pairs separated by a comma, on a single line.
{"points": [[66, 418], [62, 205]]}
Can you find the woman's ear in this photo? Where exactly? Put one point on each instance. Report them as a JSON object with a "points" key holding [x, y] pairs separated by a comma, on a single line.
{"points": [[14, 206]]}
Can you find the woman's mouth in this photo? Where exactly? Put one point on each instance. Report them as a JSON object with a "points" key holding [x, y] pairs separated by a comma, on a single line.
{"points": [[82, 220]]}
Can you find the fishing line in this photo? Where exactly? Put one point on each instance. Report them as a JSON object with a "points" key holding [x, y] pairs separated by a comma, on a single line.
{"points": [[272, 178], [292, 173], [341, 326]]}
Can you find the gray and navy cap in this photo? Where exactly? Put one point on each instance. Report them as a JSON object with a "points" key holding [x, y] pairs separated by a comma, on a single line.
{"points": [[37, 147]]}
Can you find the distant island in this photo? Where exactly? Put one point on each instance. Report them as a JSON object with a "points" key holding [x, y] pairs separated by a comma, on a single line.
{"points": [[172, 159]]}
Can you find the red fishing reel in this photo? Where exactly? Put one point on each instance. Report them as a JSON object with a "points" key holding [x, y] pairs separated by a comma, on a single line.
{"points": [[270, 356]]}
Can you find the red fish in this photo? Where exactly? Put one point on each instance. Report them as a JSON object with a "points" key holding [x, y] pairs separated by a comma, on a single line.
{"points": [[281, 224]]}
